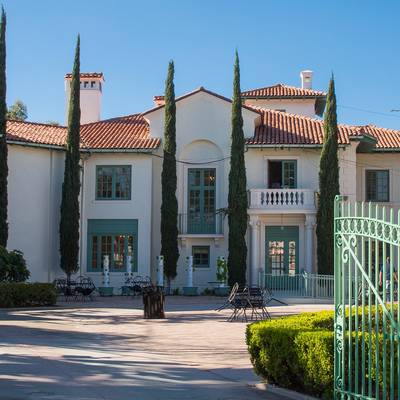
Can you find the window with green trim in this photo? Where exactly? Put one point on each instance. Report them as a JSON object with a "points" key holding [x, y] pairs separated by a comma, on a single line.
{"points": [[115, 238], [113, 182], [201, 256], [377, 185]]}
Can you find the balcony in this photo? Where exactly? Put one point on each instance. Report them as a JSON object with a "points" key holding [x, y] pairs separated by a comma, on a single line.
{"points": [[282, 199], [205, 224]]}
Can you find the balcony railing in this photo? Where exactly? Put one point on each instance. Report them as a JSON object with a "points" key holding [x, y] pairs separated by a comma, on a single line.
{"points": [[200, 224], [282, 199]]}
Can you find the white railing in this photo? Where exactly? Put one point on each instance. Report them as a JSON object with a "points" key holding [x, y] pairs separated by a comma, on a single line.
{"points": [[281, 199], [300, 285]]}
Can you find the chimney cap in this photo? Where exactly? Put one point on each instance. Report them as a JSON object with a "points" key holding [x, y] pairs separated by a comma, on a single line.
{"points": [[89, 75]]}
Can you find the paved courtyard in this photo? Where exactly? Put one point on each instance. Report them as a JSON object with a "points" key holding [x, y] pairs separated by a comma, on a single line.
{"points": [[105, 350]]}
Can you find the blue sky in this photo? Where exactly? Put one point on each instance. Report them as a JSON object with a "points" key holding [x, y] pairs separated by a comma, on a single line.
{"points": [[132, 42]]}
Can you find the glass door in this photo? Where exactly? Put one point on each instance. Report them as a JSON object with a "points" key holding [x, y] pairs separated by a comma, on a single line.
{"points": [[201, 200]]}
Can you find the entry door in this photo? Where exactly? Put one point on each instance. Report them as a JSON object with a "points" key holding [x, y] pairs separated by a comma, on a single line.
{"points": [[201, 201], [282, 250]]}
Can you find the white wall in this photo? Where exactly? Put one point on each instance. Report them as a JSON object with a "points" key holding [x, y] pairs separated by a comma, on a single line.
{"points": [[34, 198], [139, 207], [296, 106]]}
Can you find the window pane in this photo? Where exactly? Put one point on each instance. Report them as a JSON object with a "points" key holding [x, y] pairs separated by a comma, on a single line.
{"points": [[201, 256], [94, 263], [118, 256], [292, 258], [377, 185], [123, 182], [209, 177], [276, 259], [106, 247], [104, 182]]}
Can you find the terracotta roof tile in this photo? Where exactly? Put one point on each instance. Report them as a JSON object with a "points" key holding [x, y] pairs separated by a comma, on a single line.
{"points": [[281, 128], [129, 132], [280, 91]]}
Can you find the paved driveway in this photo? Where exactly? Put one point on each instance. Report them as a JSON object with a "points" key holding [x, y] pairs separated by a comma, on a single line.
{"points": [[105, 350]]}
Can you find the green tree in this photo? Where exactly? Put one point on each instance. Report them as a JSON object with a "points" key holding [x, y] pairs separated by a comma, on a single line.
{"points": [[169, 204], [328, 185], [69, 223], [18, 111], [237, 197], [3, 139]]}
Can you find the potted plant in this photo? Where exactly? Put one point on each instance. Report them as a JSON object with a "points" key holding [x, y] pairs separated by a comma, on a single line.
{"points": [[222, 277]]}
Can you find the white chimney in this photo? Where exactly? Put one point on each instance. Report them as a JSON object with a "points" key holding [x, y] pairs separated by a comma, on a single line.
{"points": [[91, 93], [306, 79]]}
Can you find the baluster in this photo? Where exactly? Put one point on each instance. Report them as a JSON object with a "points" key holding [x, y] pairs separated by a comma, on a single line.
{"points": [[262, 198], [267, 198], [301, 198]]}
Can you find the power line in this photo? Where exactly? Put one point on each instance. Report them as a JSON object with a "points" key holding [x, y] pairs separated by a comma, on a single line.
{"points": [[370, 111]]}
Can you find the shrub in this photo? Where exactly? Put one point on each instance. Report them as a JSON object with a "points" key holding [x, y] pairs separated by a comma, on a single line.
{"points": [[12, 266], [297, 352], [20, 294]]}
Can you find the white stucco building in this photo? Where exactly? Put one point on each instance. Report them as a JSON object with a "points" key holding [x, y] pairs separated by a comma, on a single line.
{"points": [[121, 181]]}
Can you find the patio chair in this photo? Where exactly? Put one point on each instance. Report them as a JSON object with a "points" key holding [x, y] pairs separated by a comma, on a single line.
{"points": [[84, 287], [257, 303], [229, 299], [240, 303], [65, 288]]}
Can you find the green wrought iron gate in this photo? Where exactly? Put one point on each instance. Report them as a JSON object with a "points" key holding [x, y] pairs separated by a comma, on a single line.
{"points": [[366, 346]]}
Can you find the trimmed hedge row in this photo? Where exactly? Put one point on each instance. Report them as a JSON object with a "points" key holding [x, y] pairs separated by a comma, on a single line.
{"points": [[297, 352], [27, 294]]}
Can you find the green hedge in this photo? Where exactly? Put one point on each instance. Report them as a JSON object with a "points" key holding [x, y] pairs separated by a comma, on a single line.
{"points": [[27, 294], [297, 352]]}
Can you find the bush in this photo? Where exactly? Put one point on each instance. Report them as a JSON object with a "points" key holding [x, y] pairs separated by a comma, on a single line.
{"points": [[12, 266], [14, 294], [297, 352]]}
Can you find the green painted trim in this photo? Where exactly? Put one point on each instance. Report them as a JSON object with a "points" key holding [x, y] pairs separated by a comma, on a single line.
{"points": [[111, 227], [275, 233], [114, 182]]}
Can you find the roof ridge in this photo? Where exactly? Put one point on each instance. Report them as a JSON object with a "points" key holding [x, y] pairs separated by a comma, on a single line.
{"points": [[112, 119]]}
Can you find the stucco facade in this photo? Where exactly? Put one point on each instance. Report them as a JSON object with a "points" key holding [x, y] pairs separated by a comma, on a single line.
{"points": [[282, 181]]}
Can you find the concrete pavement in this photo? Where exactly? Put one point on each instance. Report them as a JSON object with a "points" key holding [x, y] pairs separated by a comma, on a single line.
{"points": [[105, 350]]}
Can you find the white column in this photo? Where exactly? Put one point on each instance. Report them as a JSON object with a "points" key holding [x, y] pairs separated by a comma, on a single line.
{"points": [[309, 227], [255, 251]]}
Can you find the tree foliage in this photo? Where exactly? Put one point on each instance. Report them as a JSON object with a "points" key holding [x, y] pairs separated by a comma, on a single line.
{"points": [[18, 111], [69, 223], [237, 197], [328, 186], [169, 205], [3, 140]]}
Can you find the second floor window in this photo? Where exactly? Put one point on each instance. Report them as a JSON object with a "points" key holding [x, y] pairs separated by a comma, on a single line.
{"points": [[113, 182], [282, 174], [377, 185]]}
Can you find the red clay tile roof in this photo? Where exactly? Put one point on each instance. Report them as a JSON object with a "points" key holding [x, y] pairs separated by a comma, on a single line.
{"points": [[281, 128], [281, 91], [32, 132], [87, 75], [129, 132]]}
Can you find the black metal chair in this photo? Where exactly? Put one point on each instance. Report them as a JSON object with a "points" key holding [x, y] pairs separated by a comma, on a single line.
{"points": [[227, 303], [240, 303], [258, 303], [84, 288], [65, 287]]}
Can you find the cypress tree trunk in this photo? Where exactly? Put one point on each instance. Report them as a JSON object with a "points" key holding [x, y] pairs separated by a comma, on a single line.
{"points": [[237, 198], [328, 186], [169, 205], [3, 137], [69, 223]]}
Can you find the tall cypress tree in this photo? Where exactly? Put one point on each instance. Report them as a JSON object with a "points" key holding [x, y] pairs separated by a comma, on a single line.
{"points": [[3, 137], [69, 223], [328, 185], [237, 198], [169, 205]]}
